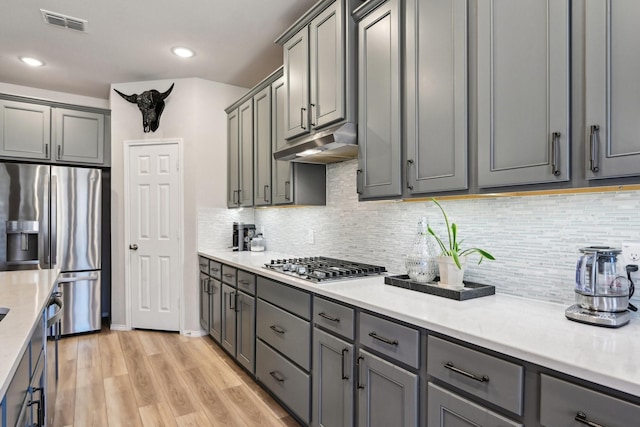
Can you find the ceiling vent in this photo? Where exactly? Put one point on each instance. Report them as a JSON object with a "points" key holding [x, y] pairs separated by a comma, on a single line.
{"points": [[64, 21]]}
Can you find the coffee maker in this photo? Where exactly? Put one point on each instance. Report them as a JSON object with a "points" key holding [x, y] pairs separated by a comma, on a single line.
{"points": [[242, 235], [602, 289]]}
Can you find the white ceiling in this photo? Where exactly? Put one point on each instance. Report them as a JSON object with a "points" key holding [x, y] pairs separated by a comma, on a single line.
{"points": [[130, 40]]}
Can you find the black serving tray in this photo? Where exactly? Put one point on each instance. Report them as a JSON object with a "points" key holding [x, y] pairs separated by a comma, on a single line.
{"points": [[471, 290]]}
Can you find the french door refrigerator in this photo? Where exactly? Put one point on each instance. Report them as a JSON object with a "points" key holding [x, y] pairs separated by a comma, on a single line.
{"points": [[50, 216]]}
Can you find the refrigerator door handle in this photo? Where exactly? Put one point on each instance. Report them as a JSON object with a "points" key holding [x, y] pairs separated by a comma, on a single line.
{"points": [[78, 278], [54, 220]]}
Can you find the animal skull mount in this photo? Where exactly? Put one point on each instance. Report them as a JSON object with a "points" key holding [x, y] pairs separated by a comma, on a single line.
{"points": [[151, 104]]}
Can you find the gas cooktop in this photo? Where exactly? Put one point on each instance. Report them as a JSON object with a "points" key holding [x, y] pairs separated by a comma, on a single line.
{"points": [[323, 269]]}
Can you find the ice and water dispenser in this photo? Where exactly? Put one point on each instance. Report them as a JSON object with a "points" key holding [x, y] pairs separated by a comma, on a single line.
{"points": [[22, 242]]}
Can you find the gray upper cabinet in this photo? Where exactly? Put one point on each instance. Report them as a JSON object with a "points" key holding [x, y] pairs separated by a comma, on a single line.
{"points": [[78, 136], [296, 74], [233, 164], [262, 147], [240, 156], [612, 97], [379, 123], [523, 92], [281, 171], [436, 95], [25, 130]]}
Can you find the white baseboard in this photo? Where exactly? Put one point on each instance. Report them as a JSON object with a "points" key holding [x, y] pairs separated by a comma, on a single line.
{"points": [[115, 327], [200, 333]]}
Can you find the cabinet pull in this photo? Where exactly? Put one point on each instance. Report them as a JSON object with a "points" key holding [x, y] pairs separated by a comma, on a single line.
{"points": [[287, 190], [408, 169], [244, 282], [302, 110], [383, 339], [358, 364], [239, 200], [312, 115], [228, 275], [326, 316], [358, 183], [238, 301], [233, 200], [581, 417], [451, 367], [205, 287], [59, 151], [277, 329], [343, 373], [232, 298], [594, 141], [277, 376], [555, 150], [264, 191], [46, 150], [214, 269]]}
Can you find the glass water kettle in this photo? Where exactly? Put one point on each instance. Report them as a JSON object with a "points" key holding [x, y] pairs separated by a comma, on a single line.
{"points": [[601, 283]]}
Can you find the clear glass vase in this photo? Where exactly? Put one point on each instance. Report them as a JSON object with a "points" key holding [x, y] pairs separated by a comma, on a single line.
{"points": [[421, 263]]}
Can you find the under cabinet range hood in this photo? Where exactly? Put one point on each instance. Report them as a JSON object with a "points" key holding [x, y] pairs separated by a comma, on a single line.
{"points": [[335, 144]]}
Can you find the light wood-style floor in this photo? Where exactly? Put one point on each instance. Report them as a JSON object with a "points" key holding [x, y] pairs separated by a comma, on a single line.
{"points": [[144, 378]]}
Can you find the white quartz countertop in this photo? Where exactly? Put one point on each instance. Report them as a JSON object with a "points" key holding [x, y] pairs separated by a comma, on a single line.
{"points": [[25, 294], [530, 330]]}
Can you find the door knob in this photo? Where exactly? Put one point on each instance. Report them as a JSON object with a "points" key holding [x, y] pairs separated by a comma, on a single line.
{"points": [[133, 247]]}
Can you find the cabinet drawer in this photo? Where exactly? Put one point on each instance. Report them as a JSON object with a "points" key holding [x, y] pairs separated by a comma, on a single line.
{"points": [[293, 300], [229, 275], [391, 339], [285, 380], [247, 282], [285, 332], [204, 264], [215, 270], [561, 402], [487, 377], [333, 316]]}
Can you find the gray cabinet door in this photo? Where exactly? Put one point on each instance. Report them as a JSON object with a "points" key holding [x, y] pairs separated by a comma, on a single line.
{"points": [[612, 95], [215, 316], [246, 333], [523, 92], [296, 75], [228, 308], [78, 136], [436, 95], [205, 303], [327, 101], [387, 394], [281, 171], [262, 153], [446, 409], [332, 394], [245, 155], [25, 130], [233, 159], [379, 124]]}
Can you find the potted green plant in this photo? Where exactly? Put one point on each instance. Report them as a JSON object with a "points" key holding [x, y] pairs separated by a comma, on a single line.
{"points": [[453, 258]]}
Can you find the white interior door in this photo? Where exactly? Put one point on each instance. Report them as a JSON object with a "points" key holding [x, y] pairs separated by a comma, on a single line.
{"points": [[154, 241]]}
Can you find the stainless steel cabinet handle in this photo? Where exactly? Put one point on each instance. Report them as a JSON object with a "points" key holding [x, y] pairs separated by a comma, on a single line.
{"points": [[277, 376], [360, 385], [451, 367], [228, 275], [277, 329], [344, 375], [555, 150], [287, 190], [302, 110], [313, 117], [383, 339], [238, 301], [234, 201], [244, 282], [133, 247], [333, 319], [239, 199], [407, 172], [594, 141], [205, 286], [266, 198], [581, 417], [232, 298], [358, 184], [214, 269], [46, 150], [59, 152]]}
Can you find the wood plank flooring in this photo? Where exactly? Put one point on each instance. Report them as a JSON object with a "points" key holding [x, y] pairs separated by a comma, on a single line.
{"points": [[157, 379]]}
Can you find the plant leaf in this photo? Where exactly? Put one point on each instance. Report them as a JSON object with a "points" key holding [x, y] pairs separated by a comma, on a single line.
{"points": [[454, 255]]}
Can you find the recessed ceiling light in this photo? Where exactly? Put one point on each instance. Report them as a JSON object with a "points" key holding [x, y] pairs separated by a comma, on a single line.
{"points": [[31, 61], [183, 52]]}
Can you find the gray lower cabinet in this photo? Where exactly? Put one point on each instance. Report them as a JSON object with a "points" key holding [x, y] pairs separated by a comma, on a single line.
{"points": [[379, 103], [436, 96], [205, 301], [238, 326], [262, 158], [78, 136], [523, 92], [612, 98], [25, 130], [447, 409], [228, 309], [215, 309], [333, 380], [387, 394]]}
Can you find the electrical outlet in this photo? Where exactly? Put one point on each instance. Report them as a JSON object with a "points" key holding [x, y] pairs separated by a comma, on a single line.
{"points": [[311, 237], [631, 252]]}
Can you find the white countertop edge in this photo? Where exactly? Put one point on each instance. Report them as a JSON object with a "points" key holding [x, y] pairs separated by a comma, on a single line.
{"points": [[15, 331], [625, 381]]}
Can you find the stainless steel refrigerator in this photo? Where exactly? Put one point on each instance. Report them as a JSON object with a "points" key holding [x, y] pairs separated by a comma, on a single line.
{"points": [[50, 216]]}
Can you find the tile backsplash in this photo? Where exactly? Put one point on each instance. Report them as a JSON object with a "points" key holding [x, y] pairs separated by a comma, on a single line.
{"points": [[535, 239]]}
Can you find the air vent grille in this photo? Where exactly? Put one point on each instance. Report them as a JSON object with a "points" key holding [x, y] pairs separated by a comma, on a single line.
{"points": [[64, 21]]}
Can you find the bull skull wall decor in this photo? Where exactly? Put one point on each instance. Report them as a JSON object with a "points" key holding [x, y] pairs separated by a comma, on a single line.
{"points": [[151, 104]]}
